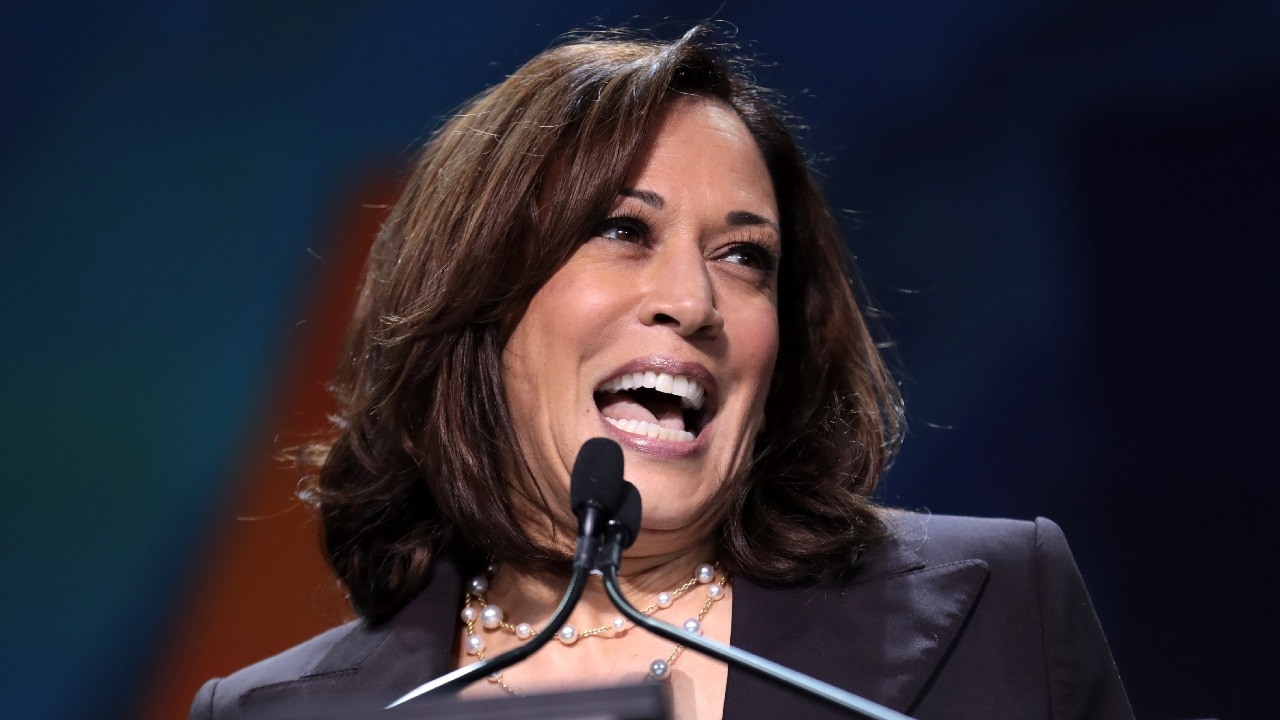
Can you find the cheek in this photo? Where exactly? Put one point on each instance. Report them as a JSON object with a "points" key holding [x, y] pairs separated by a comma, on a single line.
{"points": [[518, 377], [576, 311], [565, 322], [760, 353]]}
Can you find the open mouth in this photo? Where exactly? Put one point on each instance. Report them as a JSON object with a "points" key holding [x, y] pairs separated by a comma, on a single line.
{"points": [[655, 404]]}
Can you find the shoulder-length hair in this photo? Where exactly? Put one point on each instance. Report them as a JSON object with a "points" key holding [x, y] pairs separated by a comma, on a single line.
{"points": [[422, 456]]}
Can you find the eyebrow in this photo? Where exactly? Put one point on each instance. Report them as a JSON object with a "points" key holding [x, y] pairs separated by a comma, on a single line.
{"points": [[739, 218], [648, 197], [736, 218]]}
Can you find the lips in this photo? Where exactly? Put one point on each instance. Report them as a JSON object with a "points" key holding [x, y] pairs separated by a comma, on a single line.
{"points": [[657, 402]]}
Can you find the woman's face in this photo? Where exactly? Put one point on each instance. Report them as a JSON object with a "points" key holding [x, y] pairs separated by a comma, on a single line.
{"points": [[661, 329]]}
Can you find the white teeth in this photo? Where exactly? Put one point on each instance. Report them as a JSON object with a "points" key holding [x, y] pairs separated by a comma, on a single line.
{"points": [[690, 391], [679, 386], [651, 430], [664, 384]]}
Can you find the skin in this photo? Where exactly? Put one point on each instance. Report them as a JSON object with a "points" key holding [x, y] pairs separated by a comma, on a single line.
{"points": [[680, 277]]}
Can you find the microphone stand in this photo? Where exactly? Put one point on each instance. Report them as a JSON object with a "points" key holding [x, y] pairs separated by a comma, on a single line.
{"points": [[608, 559]]}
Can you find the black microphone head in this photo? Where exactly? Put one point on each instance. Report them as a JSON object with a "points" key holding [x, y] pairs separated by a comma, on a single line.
{"points": [[628, 517], [597, 477]]}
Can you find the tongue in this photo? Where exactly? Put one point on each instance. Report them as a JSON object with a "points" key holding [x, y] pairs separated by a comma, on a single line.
{"points": [[621, 406]]}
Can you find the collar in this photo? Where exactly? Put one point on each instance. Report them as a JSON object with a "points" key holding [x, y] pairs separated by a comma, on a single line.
{"points": [[880, 633]]}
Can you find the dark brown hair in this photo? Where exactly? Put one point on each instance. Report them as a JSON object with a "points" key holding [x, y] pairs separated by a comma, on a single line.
{"points": [[425, 460]]}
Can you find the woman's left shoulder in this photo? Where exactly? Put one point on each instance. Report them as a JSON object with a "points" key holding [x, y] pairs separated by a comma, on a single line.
{"points": [[1029, 626], [940, 539]]}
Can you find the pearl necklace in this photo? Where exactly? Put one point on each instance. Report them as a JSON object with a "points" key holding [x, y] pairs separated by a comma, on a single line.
{"points": [[475, 609]]}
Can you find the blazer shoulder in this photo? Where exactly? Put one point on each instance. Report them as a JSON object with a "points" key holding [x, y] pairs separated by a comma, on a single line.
{"points": [[1022, 555], [361, 664], [220, 697], [941, 539], [1039, 544]]}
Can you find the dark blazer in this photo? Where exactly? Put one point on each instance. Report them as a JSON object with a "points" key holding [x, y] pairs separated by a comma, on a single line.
{"points": [[953, 618]]}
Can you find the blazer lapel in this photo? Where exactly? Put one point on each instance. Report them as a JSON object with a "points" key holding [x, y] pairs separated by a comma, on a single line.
{"points": [[372, 665], [879, 634]]}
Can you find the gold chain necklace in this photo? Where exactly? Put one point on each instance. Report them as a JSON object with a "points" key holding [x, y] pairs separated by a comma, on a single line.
{"points": [[475, 609]]}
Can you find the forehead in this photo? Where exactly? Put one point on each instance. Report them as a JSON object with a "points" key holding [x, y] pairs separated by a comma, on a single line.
{"points": [[699, 113], [699, 144]]}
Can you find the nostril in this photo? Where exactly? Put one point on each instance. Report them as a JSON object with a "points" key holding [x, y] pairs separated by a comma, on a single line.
{"points": [[664, 319]]}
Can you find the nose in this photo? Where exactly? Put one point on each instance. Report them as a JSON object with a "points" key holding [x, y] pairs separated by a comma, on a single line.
{"points": [[680, 293]]}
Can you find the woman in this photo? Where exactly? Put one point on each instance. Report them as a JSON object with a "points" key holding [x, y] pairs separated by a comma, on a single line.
{"points": [[623, 240]]}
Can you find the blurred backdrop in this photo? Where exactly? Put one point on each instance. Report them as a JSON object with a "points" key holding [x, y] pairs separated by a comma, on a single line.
{"points": [[1068, 212]]}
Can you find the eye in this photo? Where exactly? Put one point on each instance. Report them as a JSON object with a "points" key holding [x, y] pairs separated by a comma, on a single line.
{"points": [[752, 255], [623, 229]]}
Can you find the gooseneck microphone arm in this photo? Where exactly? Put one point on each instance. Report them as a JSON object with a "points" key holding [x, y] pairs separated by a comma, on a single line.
{"points": [[455, 681], [611, 554]]}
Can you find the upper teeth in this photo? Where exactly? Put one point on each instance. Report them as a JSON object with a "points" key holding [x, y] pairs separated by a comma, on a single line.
{"points": [[689, 391]]}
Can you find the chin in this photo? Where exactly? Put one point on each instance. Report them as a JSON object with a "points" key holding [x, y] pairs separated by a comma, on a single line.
{"points": [[691, 525]]}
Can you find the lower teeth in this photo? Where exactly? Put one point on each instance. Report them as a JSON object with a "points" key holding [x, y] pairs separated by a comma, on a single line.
{"points": [[651, 430]]}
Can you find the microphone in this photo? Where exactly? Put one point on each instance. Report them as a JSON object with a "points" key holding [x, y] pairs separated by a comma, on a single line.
{"points": [[620, 533], [597, 493], [627, 521]]}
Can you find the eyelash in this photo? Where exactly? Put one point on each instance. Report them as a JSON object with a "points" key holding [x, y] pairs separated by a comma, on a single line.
{"points": [[635, 222]]}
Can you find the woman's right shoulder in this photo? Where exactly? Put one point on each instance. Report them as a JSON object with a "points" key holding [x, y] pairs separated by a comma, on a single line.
{"points": [[220, 697], [362, 664]]}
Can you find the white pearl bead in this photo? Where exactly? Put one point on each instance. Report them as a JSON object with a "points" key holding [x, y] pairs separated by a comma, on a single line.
{"points": [[469, 614], [619, 624], [664, 600], [706, 573], [659, 670], [524, 631], [491, 617], [692, 626], [478, 586], [715, 591], [568, 634], [475, 644], [491, 570]]}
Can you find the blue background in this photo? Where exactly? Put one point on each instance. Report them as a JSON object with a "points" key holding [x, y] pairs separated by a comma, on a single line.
{"points": [[1068, 211]]}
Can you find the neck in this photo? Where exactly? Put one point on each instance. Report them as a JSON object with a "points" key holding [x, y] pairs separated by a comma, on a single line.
{"points": [[530, 596]]}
